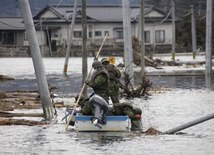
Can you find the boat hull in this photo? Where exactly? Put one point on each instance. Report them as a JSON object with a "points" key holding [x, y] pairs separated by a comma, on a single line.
{"points": [[113, 124]]}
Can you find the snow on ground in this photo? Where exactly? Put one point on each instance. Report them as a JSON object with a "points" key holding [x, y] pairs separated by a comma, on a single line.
{"points": [[181, 58]]}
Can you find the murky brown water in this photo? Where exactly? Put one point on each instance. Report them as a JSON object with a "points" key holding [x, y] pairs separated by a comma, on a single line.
{"points": [[161, 111]]}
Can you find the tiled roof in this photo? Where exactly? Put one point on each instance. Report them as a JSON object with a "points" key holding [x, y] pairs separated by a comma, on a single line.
{"points": [[102, 13], [11, 23]]}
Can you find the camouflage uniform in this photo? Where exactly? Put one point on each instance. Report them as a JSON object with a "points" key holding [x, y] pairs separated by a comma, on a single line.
{"points": [[123, 109], [114, 76], [127, 109], [100, 83], [86, 108]]}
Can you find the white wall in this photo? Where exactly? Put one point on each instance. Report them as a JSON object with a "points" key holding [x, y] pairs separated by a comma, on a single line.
{"points": [[63, 33], [41, 37]]}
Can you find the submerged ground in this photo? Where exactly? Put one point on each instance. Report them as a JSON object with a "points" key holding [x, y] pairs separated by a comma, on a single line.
{"points": [[186, 99]]}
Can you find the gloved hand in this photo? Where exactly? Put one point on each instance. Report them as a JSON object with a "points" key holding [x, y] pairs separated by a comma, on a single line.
{"points": [[95, 58], [71, 110], [86, 82]]}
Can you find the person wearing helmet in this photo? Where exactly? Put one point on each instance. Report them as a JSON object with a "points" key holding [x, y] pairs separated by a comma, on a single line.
{"points": [[114, 76], [100, 80]]}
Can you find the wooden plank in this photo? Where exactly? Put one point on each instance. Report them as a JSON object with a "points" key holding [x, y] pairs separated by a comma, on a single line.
{"points": [[8, 114]]}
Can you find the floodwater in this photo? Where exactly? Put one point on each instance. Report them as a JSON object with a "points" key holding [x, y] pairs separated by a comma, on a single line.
{"points": [[186, 100]]}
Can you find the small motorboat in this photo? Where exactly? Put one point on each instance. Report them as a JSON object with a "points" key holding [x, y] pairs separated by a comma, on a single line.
{"points": [[83, 123], [99, 121]]}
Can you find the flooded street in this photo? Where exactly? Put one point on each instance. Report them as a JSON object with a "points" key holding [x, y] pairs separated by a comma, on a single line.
{"points": [[186, 100]]}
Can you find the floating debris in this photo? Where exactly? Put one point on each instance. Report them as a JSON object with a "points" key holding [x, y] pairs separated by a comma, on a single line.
{"points": [[9, 121], [152, 131], [5, 78]]}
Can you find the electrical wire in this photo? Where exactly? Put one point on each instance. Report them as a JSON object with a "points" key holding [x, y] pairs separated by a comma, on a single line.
{"points": [[37, 23], [49, 15], [9, 25]]}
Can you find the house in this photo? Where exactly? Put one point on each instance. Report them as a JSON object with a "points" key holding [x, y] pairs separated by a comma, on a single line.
{"points": [[12, 31], [53, 23]]}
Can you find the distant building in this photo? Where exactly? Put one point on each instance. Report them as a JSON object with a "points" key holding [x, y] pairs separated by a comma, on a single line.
{"points": [[11, 31], [53, 23]]}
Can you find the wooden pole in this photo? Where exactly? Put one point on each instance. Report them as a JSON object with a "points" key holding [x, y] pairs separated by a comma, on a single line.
{"points": [[84, 45], [142, 41], [98, 53]]}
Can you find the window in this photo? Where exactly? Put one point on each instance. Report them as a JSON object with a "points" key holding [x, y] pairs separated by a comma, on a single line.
{"points": [[8, 37], [90, 31], [0, 36], [147, 36], [77, 34], [159, 36], [54, 33], [98, 33], [119, 34], [90, 34]]}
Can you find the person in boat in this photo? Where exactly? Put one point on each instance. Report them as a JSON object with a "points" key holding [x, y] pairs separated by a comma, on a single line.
{"points": [[85, 107], [95, 106], [117, 109], [114, 76], [127, 109], [100, 80]]}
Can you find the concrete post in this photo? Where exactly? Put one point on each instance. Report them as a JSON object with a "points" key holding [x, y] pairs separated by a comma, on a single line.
{"points": [[173, 29], [193, 32], [127, 40], [70, 38], [189, 124], [37, 60], [208, 71]]}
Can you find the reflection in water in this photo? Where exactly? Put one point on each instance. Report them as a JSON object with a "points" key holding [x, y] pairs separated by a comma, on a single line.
{"points": [[72, 84], [161, 111], [101, 138]]}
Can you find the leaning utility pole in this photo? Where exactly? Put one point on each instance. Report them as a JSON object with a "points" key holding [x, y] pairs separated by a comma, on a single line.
{"points": [[142, 73], [37, 60], [84, 46], [208, 63], [70, 38], [173, 29], [190, 124], [193, 33], [127, 40]]}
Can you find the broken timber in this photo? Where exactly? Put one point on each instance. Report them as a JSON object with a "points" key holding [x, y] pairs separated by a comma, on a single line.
{"points": [[8, 114], [10, 121]]}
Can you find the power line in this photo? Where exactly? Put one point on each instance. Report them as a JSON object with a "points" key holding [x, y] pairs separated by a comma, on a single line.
{"points": [[49, 15], [9, 25]]}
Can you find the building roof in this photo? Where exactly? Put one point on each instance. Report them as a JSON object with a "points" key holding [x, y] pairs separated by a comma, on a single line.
{"points": [[100, 13], [11, 23], [95, 13]]}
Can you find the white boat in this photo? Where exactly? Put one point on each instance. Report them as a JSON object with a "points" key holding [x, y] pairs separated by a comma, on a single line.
{"points": [[83, 123], [100, 121]]}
